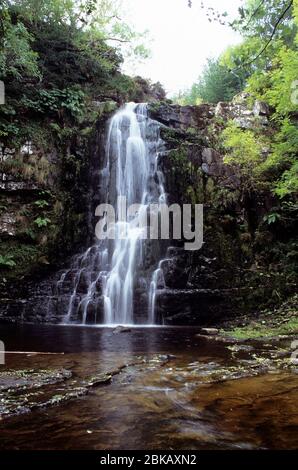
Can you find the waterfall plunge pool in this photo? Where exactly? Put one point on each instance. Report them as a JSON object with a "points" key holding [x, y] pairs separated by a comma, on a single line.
{"points": [[147, 388]]}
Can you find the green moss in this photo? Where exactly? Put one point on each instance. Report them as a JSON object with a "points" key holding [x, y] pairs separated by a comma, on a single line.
{"points": [[173, 137], [192, 131], [263, 331], [155, 106]]}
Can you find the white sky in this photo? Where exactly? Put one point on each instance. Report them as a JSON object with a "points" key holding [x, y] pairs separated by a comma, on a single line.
{"points": [[182, 38]]}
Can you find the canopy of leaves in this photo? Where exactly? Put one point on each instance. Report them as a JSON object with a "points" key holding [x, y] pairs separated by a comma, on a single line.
{"points": [[266, 65], [57, 55]]}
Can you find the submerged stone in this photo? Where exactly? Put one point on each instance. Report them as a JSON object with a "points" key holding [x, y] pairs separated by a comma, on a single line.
{"points": [[121, 329]]}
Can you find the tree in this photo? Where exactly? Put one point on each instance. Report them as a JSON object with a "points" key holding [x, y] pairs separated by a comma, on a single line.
{"points": [[266, 63], [217, 83], [56, 56], [263, 24], [278, 86], [17, 58]]}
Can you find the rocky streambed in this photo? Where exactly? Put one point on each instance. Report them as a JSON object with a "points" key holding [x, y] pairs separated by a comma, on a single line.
{"points": [[152, 388]]}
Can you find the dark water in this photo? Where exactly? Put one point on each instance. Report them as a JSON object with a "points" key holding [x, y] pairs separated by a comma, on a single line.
{"points": [[203, 398]]}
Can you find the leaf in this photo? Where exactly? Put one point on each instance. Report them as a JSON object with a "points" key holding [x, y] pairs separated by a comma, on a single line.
{"points": [[42, 222]]}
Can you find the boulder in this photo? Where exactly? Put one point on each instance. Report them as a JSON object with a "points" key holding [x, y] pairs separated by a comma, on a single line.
{"points": [[261, 108]]}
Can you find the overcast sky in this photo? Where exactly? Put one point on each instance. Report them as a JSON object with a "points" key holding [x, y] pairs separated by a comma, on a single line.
{"points": [[183, 38]]}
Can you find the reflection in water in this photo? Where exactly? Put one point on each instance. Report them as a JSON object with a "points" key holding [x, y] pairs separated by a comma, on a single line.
{"points": [[176, 391]]}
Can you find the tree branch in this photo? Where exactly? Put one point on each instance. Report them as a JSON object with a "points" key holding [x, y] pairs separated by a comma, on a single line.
{"points": [[116, 39], [271, 37], [254, 13]]}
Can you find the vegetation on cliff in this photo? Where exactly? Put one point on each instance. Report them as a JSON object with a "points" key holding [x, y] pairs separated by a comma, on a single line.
{"points": [[60, 61], [265, 65], [263, 68], [55, 58]]}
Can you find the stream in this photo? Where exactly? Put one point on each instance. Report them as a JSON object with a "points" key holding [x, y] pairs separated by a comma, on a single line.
{"points": [[144, 388]]}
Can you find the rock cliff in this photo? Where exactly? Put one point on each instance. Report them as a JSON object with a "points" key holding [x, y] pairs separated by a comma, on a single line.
{"points": [[47, 214]]}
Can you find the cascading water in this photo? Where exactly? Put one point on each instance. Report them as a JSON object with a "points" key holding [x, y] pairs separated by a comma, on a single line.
{"points": [[105, 278]]}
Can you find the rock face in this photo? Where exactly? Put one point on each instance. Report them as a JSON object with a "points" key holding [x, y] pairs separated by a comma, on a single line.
{"points": [[182, 117], [218, 281], [8, 225], [47, 213], [245, 117], [199, 287]]}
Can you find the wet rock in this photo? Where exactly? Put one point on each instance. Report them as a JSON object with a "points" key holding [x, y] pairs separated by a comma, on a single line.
{"points": [[31, 378], [8, 224], [100, 379], [213, 164], [167, 357], [25, 390], [121, 329], [191, 306], [75, 392], [182, 117], [241, 347], [175, 270], [105, 106], [209, 331], [218, 338], [208, 155]]}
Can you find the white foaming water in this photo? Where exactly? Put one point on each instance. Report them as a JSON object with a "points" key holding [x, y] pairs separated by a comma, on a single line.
{"points": [[109, 270], [127, 144]]}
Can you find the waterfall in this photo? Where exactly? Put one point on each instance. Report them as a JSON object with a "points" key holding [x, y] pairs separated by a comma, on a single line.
{"points": [[105, 278]]}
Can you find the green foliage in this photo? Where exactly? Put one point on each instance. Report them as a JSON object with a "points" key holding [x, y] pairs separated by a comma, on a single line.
{"points": [[271, 218], [7, 261], [217, 83], [263, 24], [244, 150], [17, 59], [288, 183], [41, 203], [23, 256], [271, 77], [187, 176], [42, 222], [31, 234], [278, 87], [56, 60], [70, 99]]}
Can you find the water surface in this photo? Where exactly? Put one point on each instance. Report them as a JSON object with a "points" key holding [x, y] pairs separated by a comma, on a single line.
{"points": [[172, 390]]}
